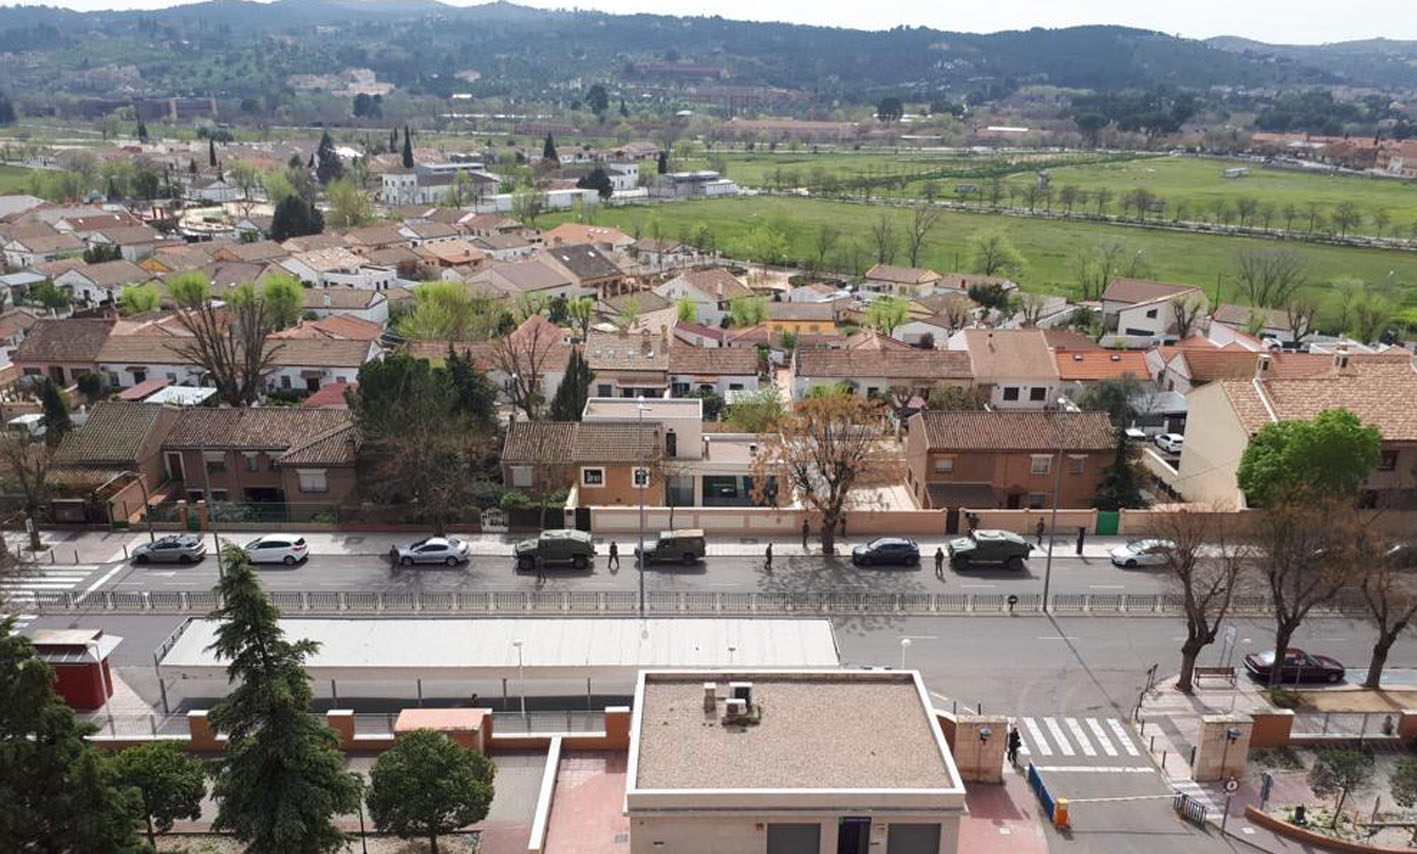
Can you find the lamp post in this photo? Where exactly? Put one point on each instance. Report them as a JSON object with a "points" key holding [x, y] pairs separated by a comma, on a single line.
{"points": [[521, 677], [641, 482], [211, 510], [984, 734], [1053, 522], [363, 835], [904, 645]]}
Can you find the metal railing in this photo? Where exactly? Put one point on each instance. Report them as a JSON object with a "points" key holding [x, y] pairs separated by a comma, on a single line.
{"points": [[664, 603], [1190, 809], [139, 725], [1339, 725], [513, 723]]}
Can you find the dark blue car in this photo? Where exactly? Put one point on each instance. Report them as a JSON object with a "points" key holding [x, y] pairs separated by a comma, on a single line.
{"points": [[887, 551]]}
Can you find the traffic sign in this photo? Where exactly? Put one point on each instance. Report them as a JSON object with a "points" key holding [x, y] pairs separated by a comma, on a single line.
{"points": [[1232, 784]]}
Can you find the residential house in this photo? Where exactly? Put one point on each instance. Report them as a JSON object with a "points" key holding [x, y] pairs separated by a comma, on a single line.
{"points": [[926, 332], [101, 284], [62, 349], [327, 268], [628, 365], [531, 276], [314, 242], [1014, 366], [1270, 323], [459, 255], [962, 282], [704, 183], [23, 252], [424, 232], [713, 369], [301, 458], [309, 363], [901, 281], [870, 372], [624, 177], [638, 303], [178, 258], [15, 323], [255, 252], [493, 224], [537, 349], [1192, 367], [127, 361], [372, 306], [599, 460], [401, 260], [985, 460], [380, 236], [117, 437], [817, 292], [1141, 312], [700, 336], [84, 226], [608, 240], [1224, 416], [213, 190], [710, 290], [335, 326], [591, 268], [135, 242], [797, 317], [659, 254], [1079, 370], [332, 396], [505, 247]]}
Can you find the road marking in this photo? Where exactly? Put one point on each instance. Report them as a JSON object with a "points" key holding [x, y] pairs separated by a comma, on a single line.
{"points": [[978, 586], [1056, 637], [1107, 586], [1122, 738], [1100, 769], [112, 572], [1081, 736], [1063, 746], [1037, 735], [1101, 737]]}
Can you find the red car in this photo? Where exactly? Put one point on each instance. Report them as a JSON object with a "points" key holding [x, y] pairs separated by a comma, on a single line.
{"points": [[1298, 666]]}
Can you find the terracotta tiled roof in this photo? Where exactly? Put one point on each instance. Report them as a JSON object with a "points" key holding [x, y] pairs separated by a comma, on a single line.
{"points": [[1142, 290], [801, 312], [320, 352], [430, 230], [870, 339], [349, 299], [526, 275], [580, 442], [114, 273], [68, 340], [1101, 364], [901, 275], [1018, 431], [575, 232], [1010, 354], [1239, 316], [336, 445], [16, 319], [132, 235], [374, 235], [611, 351], [1066, 339], [914, 365], [645, 301], [312, 242], [143, 350], [722, 361], [58, 242], [257, 428], [335, 326], [113, 435], [709, 280], [260, 250], [330, 396], [1380, 392]]}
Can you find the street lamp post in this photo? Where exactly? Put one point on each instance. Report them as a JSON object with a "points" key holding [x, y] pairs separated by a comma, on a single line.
{"points": [[211, 510], [1053, 522], [521, 676], [363, 834], [904, 645], [642, 482]]}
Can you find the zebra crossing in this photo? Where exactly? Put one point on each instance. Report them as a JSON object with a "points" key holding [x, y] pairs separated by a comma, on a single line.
{"points": [[1091, 741], [20, 591]]}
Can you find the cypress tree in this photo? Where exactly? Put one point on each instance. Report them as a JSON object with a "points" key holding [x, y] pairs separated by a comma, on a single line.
{"points": [[574, 390], [407, 150], [548, 149], [211, 151], [663, 162], [329, 167]]}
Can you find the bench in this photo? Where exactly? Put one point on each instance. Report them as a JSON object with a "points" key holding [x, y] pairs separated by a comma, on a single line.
{"points": [[1226, 673]]}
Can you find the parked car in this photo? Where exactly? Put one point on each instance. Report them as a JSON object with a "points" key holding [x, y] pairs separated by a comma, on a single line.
{"points": [[989, 546], [563, 546], [445, 550], [686, 547], [277, 548], [174, 548], [887, 550], [1402, 555], [1170, 442], [1298, 666], [1142, 553]]}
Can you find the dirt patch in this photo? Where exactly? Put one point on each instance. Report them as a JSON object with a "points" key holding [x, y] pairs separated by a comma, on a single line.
{"points": [[1356, 700]]}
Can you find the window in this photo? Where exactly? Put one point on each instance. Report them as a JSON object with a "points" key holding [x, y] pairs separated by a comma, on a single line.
{"points": [[1010, 392], [1151, 315], [140, 377], [1037, 393], [253, 462], [641, 477], [1388, 462], [220, 495], [521, 476], [592, 477], [1041, 464], [313, 480], [735, 386], [215, 460], [284, 381], [194, 495], [1075, 464], [944, 465], [171, 377], [1035, 500]]}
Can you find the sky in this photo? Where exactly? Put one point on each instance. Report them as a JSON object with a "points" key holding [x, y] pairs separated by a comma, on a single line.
{"points": [[1276, 21]]}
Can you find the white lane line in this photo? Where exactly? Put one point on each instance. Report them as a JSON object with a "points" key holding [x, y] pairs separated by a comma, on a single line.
{"points": [[1037, 735], [39, 584], [1123, 739], [1101, 737], [1056, 637], [112, 572], [1107, 586], [1064, 747], [1076, 729], [1097, 769], [978, 586]]}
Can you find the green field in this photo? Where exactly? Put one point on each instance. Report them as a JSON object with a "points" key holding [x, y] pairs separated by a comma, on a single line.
{"points": [[765, 168], [1047, 245], [13, 179]]}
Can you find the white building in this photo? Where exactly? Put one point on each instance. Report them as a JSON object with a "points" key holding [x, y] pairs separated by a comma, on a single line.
{"points": [[338, 267]]}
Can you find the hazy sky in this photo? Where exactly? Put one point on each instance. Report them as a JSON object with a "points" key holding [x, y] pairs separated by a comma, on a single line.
{"points": [[1296, 21]]}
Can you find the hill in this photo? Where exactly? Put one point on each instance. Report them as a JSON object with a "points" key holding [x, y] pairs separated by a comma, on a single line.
{"points": [[1369, 62]]}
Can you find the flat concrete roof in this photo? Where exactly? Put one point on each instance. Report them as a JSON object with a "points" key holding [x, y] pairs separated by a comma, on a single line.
{"points": [[655, 408], [819, 731], [379, 649]]}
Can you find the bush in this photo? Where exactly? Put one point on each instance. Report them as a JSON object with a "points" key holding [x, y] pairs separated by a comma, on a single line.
{"points": [[1283, 698], [1283, 758]]}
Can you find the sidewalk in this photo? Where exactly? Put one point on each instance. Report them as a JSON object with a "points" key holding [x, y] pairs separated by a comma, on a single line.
{"points": [[92, 547]]}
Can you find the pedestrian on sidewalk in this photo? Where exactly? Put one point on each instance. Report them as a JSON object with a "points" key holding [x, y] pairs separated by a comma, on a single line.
{"points": [[973, 520], [1082, 535], [806, 532], [767, 559], [614, 562], [939, 562], [1039, 529], [1014, 741], [540, 571]]}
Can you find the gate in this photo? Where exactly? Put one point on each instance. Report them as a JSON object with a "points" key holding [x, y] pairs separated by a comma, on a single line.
{"points": [[583, 519], [1107, 522], [952, 521]]}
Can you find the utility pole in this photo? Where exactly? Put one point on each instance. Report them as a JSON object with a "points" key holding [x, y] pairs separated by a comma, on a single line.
{"points": [[1053, 523], [211, 512]]}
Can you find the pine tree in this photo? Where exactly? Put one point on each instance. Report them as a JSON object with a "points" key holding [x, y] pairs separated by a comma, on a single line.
{"points": [[295, 217], [1121, 479], [574, 390], [548, 149], [56, 413], [407, 149], [211, 152], [329, 167], [282, 780], [58, 792]]}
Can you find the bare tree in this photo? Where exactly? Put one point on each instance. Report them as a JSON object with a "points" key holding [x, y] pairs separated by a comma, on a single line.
{"points": [[1185, 313], [229, 342], [522, 357], [1271, 276], [825, 448], [1095, 267], [826, 238], [1205, 561], [923, 218], [1390, 592], [1030, 309], [1346, 217], [1300, 312], [883, 235], [25, 465]]}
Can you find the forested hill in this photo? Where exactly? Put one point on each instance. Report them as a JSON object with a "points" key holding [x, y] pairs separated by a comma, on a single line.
{"points": [[228, 47]]}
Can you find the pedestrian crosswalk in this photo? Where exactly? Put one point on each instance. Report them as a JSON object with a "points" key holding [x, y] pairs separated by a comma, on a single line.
{"points": [[20, 591], [1107, 740]]}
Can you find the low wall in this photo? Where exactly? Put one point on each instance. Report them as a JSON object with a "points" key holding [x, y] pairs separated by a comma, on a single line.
{"points": [[1317, 840], [771, 521], [1271, 729]]}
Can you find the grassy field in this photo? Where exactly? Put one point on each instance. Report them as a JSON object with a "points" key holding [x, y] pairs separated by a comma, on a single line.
{"points": [[13, 179], [1047, 245], [759, 168]]}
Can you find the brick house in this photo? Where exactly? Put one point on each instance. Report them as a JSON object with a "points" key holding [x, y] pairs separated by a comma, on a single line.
{"points": [[62, 349], [597, 459], [983, 460]]}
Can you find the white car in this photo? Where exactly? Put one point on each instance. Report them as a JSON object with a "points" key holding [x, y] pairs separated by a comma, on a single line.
{"points": [[277, 548], [1142, 553], [1170, 442], [445, 550]]}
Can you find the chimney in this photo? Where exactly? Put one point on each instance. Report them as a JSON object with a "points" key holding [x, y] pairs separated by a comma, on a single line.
{"points": [[328, 302], [1340, 359], [1263, 362], [710, 697], [663, 337], [991, 340]]}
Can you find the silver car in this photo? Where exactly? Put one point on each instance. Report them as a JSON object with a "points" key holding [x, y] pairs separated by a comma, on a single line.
{"points": [[445, 550], [175, 548], [1143, 553]]}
